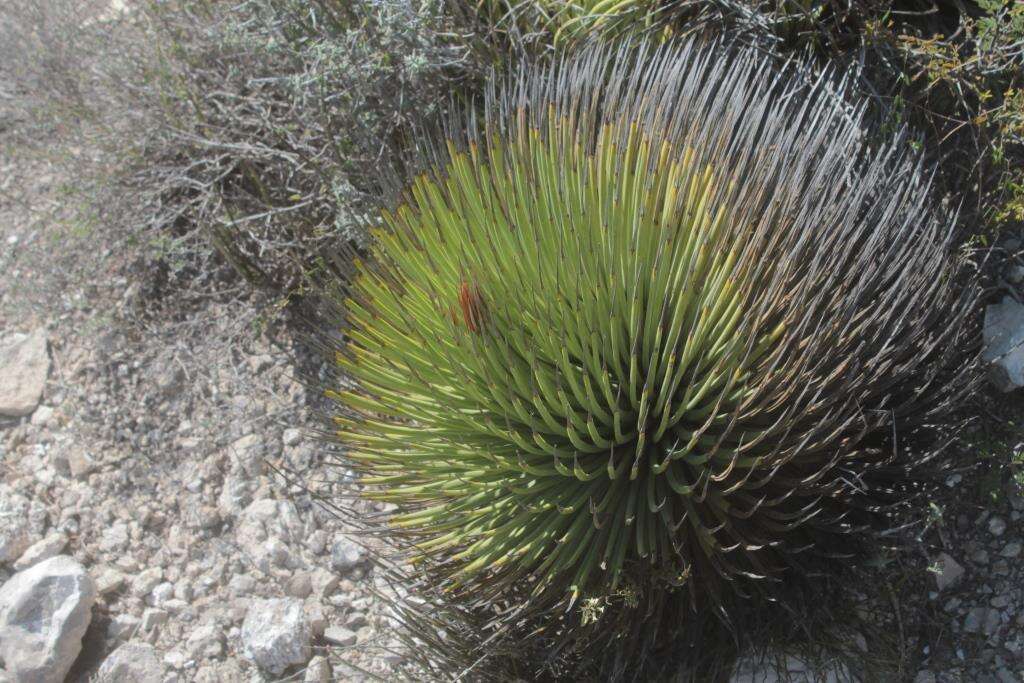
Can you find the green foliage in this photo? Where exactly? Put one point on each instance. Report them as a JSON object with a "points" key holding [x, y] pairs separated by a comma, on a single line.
{"points": [[640, 343], [976, 83]]}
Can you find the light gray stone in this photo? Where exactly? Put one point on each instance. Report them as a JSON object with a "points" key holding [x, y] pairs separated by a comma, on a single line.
{"points": [[276, 634], [108, 580], [24, 365], [15, 529], [292, 437], [318, 671], [146, 580], [161, 594], [152, 617], [175, 659], [131, 663], [982, 620], [339, 635], [266, 530], [44, 612], [1006, 676], [115, 537], [949, 572], [235, 494], [1003, 336], [123, 627], [205, 642], [346, 554], [51, 546], [81, 463], [300, 585], [246, 454], [42, 416], [997, 526], [1011, 550], [324, 582]]}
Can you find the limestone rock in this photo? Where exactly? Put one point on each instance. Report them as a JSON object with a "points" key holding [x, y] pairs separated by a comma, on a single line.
{"points": [[206, 641], [266, 530], [51, 546], [318, 671], [24, 365], [14, 526], [276, 634], [123, 627], [131, 663], [346, 554], [247, 454], [339, 635], [949, 572], [1003, 336], [44, 612]]}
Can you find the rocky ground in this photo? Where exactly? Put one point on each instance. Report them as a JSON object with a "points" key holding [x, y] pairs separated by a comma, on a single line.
{"points": [[159, 471], [158, 476]]}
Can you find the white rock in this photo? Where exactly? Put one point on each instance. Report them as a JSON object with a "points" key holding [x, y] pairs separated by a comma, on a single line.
{"points": [[108, 580], [949, 572], [276, 634], [292, 437], [174, 606], [997, 526], [115, 537], [265, 521], [51, 546], [161, 594], [14, 525], [318, 671], [24, 365], [42, 416], [316, 542], [315, 615], [153, 617], [324, 582], [123, 627], [346, 554], [144, 583], [205, 642], [246, 454], [44, 612], [175, 659], [339, 635], [241, 584], [183, 591], [81, 463], [234, 495], [131, 663], [1003, 335], [299, 586]]}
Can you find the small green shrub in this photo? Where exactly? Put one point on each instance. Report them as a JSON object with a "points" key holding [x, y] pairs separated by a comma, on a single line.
{"points": [[638, 345], [272, 117]]}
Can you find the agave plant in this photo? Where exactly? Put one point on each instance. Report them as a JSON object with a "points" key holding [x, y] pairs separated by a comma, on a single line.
{"points": [[646, 328]]}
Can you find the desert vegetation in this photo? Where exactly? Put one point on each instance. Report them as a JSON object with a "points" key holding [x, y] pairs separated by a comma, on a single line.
{"points": [[645, 334]]}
